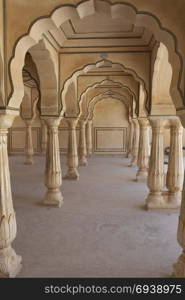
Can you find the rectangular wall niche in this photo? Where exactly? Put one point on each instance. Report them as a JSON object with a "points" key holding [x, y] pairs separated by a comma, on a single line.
{"points": [[16, 140], [110, 139]]}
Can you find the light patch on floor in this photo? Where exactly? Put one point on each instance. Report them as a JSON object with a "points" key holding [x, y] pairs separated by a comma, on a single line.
{"points": [[102, 230]]}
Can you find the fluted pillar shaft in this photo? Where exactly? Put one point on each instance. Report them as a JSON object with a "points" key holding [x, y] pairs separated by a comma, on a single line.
{"points": [[72, 155], [156, 165], [179, 267], [53, 173], [130, 139], [175, 173], [135, 143], [10, 262], [44, 137], [82, 148], [29, 144], [89, 137], [144, 149]]}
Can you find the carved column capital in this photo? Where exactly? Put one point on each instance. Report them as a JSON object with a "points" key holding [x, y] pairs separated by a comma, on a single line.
{"points": [[52, 121], [157, 123], [72, 123], [7, 118], [143, 122], [82, 123]]}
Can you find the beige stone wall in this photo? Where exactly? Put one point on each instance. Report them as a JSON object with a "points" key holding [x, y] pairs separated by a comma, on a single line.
{"points": [[108, 131], [110, 127], [17, 133], [31, 11], [140, 62]]}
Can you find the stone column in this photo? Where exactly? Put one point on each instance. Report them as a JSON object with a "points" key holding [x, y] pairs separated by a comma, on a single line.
{"points": [[135, 144], [82, 150], [29, 143], [179, 267], [44, 137], [144, 150], [89, 137], [10, 262], [72, 155], [130, 139], [53, 173], [155, 198], [175, 173]]}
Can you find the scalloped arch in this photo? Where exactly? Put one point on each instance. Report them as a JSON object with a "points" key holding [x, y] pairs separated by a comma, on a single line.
{"points": [[102, 96], [67, 12], [89, 67], [83, 103]]}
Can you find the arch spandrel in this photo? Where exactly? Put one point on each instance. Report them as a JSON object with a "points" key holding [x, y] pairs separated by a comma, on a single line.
{"points": [[83, 10], [99, 64], [122, 92], [105, 86], [108, 96], [162, 103]]}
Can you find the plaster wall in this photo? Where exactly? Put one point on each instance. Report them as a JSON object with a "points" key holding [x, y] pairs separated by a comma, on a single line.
{"points": [[110, 127], [140, 62], [86, 81], [161, 82], [171, 17], [107, 131]]}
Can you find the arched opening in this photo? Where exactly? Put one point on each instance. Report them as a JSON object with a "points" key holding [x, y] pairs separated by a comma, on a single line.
{"points": [[86, 10], [94, 59]]}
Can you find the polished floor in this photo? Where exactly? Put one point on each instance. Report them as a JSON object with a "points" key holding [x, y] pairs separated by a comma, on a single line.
{"points": [[102, 230]]}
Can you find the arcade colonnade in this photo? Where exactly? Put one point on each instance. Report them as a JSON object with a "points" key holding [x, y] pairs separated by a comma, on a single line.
{"points": [[117, 51]]}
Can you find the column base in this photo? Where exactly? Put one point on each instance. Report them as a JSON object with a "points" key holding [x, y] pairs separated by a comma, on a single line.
{"points": [[83, 162], [53, 198], [162, 201], [174, 200], [141, 175], [10, 263], [155, 201], [72, 174], [179, 267], [29, 161], [89, 153], [133, 163], [42, 153]]}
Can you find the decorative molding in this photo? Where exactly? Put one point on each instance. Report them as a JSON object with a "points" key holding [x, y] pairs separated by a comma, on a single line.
{"points": [[106, 150], [37, 145]]}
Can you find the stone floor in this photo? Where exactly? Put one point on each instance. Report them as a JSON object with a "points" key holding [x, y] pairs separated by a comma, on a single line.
{"points": [[102, 230]]}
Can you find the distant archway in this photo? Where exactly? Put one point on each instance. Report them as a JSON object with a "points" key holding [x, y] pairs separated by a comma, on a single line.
{"points": [[89, 8]]}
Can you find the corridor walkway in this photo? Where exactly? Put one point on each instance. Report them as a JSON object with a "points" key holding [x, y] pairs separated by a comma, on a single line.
{"points": [[101, 231]]}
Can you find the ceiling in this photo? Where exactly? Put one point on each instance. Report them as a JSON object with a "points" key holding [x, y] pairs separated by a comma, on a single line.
{"points": [[100, 31]]}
